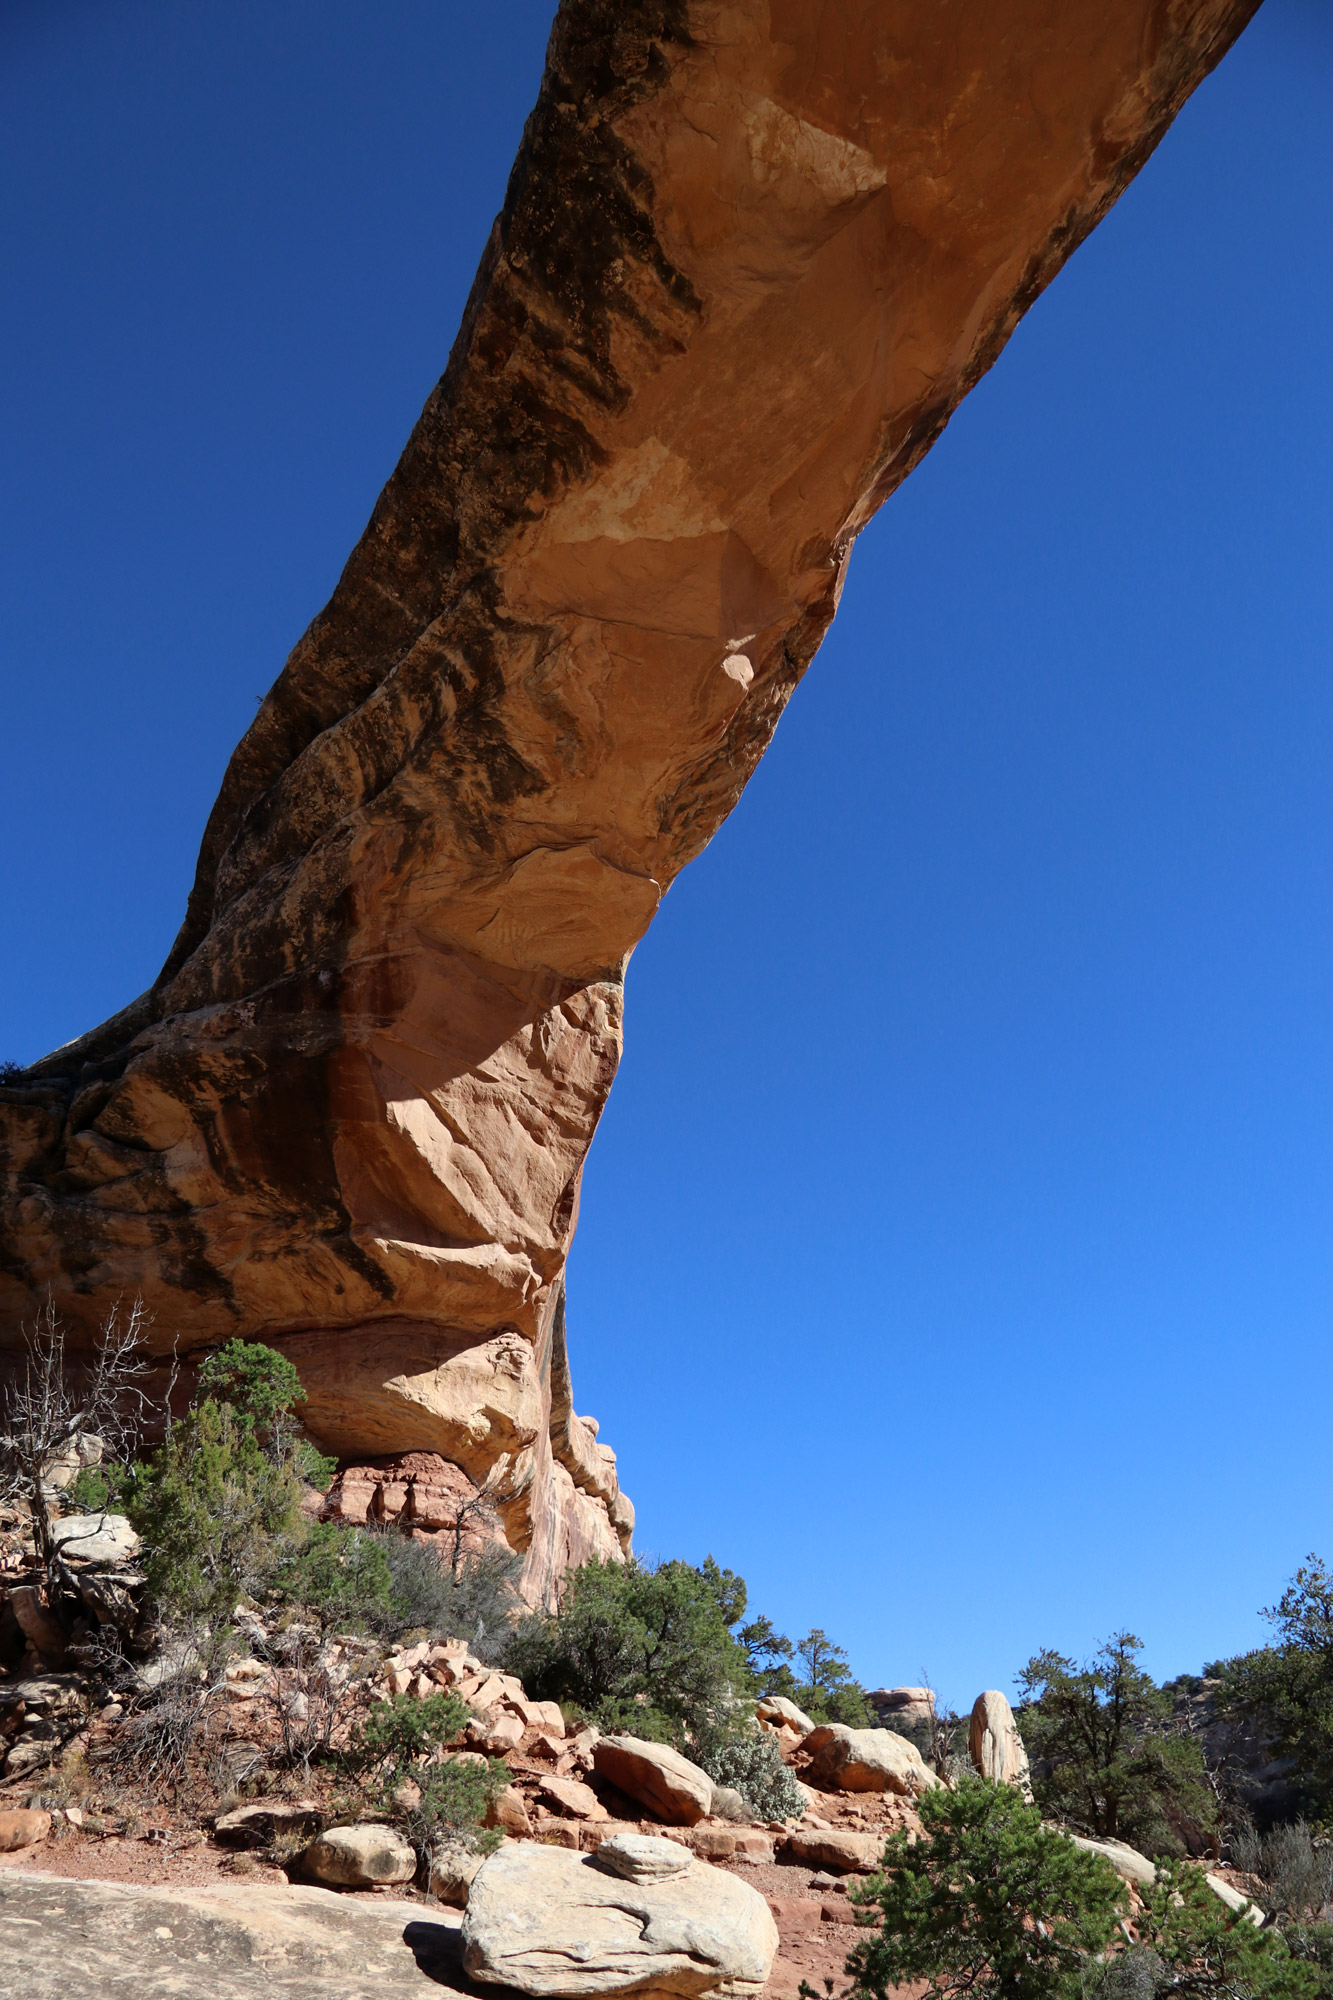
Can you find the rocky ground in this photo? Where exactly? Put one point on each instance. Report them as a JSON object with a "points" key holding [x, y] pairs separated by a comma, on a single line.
{"points": [[134, 1780], [236, 1827]]}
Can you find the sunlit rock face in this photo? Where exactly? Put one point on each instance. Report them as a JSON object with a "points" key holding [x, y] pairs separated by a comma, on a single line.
{"points": [[751, 258]]}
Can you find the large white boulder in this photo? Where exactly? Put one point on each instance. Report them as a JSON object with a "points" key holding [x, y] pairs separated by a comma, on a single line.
{"points": [[1234, 1900], [1131, 1866], [549, 1922], [994, 1744], [867, 1760], [673, 1789]]}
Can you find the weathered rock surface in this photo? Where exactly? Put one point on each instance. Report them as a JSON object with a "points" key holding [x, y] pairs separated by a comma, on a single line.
{"points": [[66, 1938], [453, 1870], [38, 1623], [571, 1795], [994, 1744], [776, 1708], [673, 1789], [357, 1857], [750, 260], [1234, 1900], [641, 1857], [1131, 1866], [546, 1921], [847, 1853], [96, 1538], [1128, 1863], [265, 1820], [894, 1706], [867, 1760], [509, 1811]]}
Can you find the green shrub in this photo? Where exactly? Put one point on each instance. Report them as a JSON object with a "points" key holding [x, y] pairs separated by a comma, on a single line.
{"points": [[1107, 1753], [404, 1727], [262, 1388], [396, 1751], [1312, 1945], [95, 1489], [454, 1800], [986, 1902], [1197, 1948], [644, 1647]]}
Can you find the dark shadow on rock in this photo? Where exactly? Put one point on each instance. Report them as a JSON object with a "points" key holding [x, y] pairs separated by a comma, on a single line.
{"points": [[438, 1951]]}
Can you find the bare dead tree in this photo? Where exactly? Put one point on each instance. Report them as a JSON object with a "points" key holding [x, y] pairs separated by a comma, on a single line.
{"points": [[476, 1511], [60, 1400], [312, 1701], [942, 1731]]}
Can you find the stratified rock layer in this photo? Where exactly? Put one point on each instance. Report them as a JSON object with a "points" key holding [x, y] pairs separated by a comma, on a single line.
{"points": [[751, 258]]}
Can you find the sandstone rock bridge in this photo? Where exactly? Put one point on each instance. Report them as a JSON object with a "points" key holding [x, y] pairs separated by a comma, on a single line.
{"points": [[752, 255]]}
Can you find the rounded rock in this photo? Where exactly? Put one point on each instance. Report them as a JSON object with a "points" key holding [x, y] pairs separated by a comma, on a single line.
{"points": [[23, 1827], [642, 1857], [360, 1857]]}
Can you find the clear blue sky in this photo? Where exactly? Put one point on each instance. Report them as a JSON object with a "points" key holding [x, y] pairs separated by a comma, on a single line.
{"points": [[955, 1258]]}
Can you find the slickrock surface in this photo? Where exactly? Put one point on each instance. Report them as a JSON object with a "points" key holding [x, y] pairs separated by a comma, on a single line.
{"points": [[750, 260], [67, 1940]]}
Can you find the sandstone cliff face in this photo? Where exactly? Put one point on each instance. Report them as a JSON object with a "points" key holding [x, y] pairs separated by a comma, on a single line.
{"points": [[752, 255]]}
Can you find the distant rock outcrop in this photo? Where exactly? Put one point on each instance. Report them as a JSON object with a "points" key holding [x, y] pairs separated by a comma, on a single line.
{"points": [[750, 261]]}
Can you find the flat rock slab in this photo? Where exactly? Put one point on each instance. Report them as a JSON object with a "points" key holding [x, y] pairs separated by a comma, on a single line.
{"points": [[67, 1940]]}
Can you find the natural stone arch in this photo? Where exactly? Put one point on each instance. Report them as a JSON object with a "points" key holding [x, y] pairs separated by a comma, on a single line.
{"points": [[753, 254]]}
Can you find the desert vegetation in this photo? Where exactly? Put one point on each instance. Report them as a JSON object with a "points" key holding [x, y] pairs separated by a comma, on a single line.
{"points": [[180, 1625]]}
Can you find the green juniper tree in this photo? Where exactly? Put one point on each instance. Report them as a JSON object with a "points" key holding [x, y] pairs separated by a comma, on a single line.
{"points": [[1287, 1687], [218, 1504], [1107, 1754], [639, 1646]]}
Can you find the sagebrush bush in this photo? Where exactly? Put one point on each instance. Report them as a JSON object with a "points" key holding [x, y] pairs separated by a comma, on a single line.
{"points": [[752, 1765], [1296, 1870], [476, 1600]]}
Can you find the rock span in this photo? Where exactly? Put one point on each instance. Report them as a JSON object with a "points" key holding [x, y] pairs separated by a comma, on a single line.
{"points": [[752, 255]]}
